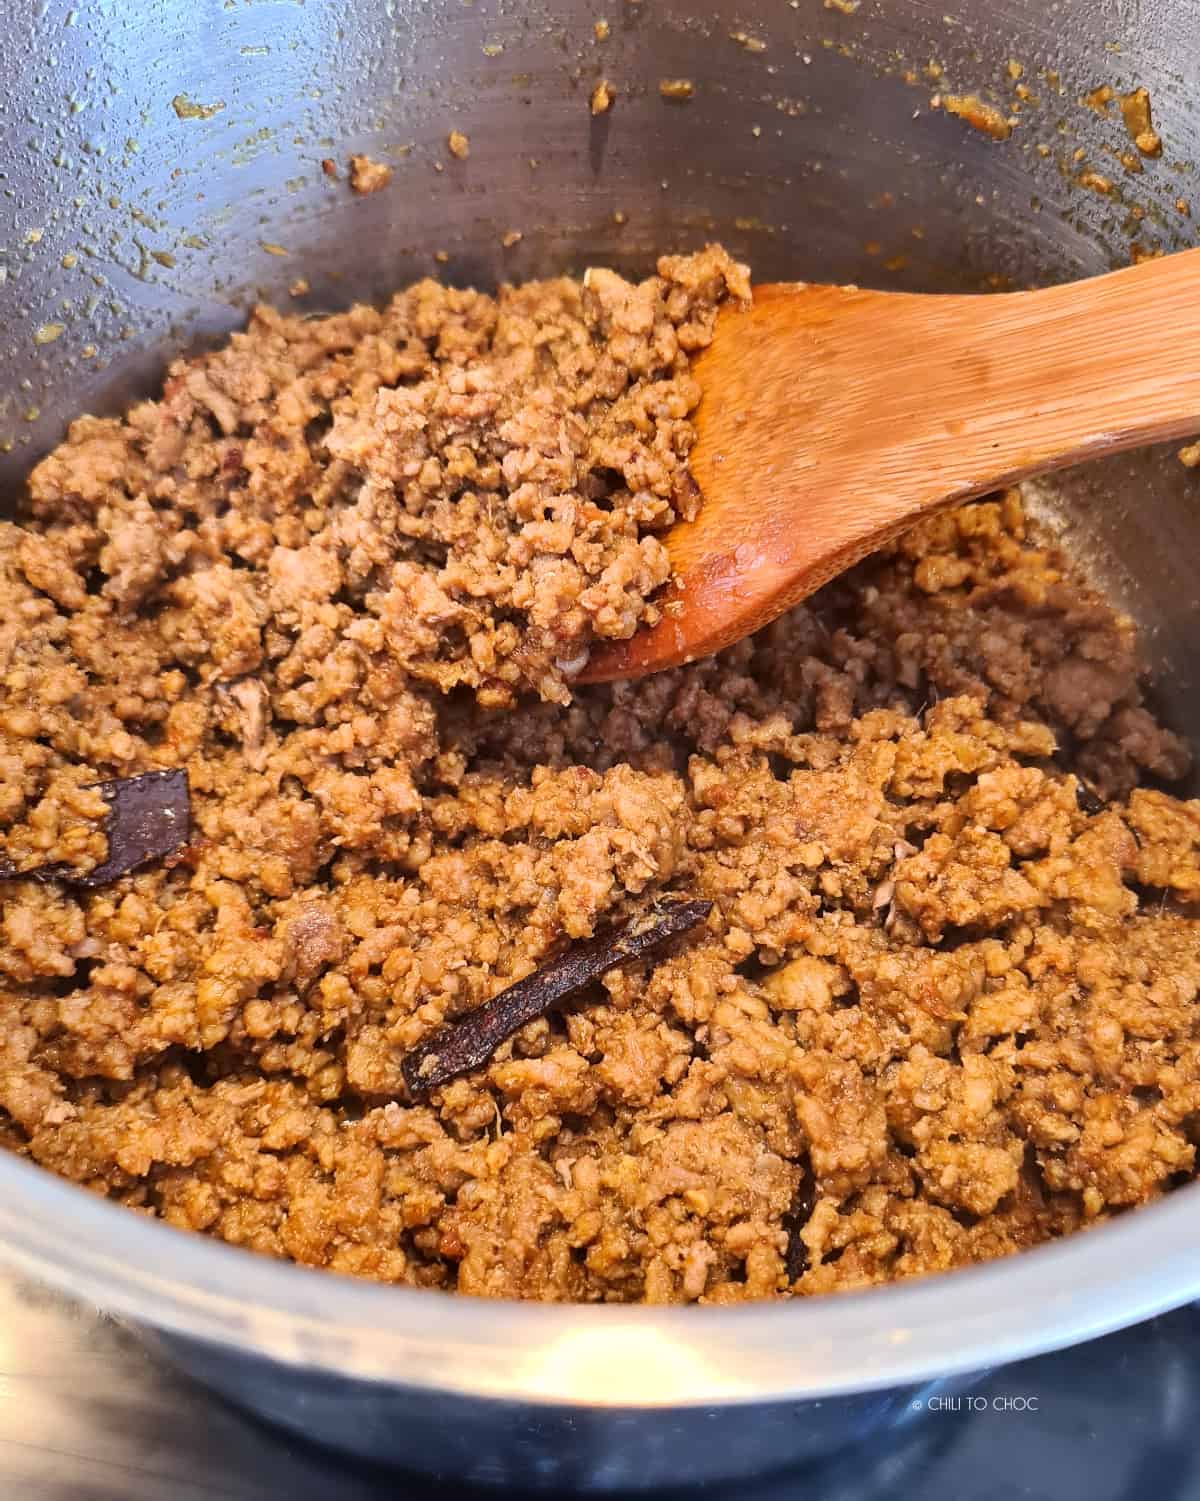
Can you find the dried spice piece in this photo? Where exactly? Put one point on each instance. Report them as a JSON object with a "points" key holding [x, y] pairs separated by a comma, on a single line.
{"points": [[1086, 800], [468, 1043], [149, 816], [804, 1200]]}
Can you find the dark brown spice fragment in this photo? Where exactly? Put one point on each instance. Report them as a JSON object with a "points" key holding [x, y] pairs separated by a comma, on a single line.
{"points": [[149, 817], [795, 1259], [469, 1042], [1086, 800]]}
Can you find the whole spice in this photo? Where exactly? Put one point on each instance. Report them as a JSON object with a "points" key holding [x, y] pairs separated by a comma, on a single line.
{"points": [[1086, 800], [149, 816], [799, 1213], [468, 1043]]}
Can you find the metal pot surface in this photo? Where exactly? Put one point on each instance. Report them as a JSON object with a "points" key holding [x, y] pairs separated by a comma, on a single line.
{"points": [[161, 167]]}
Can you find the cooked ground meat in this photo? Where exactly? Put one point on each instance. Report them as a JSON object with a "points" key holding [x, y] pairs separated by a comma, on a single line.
{"points": [[343, 571]]}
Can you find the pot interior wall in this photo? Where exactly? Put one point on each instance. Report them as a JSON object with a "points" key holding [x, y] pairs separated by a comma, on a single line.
{"points": [[161, 168]]}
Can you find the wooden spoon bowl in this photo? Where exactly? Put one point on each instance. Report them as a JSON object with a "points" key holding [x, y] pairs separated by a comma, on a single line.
{"points": [[834, 418]]}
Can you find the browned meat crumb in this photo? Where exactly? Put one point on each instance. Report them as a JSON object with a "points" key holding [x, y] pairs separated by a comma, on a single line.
{"points": [[677, 90], [601, 30], [947, 995], [1135, 111], [978, 114], [1189, 455], [601, 98], [367, 176], [459, 145], [188, 109], [1095, 181]]}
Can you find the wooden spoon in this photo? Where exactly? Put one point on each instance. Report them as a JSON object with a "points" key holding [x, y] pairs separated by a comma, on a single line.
{"points": [[833, 418]]}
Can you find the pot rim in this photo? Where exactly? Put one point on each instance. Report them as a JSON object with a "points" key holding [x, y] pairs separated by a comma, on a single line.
{"points": [[610, 1355]]}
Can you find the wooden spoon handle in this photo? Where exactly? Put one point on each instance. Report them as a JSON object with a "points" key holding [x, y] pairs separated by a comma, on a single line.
{"points": [[833, 418], [1029, 381]]}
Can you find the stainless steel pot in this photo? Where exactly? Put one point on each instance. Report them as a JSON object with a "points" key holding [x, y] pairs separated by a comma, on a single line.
{"points": [[161, 168]]}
